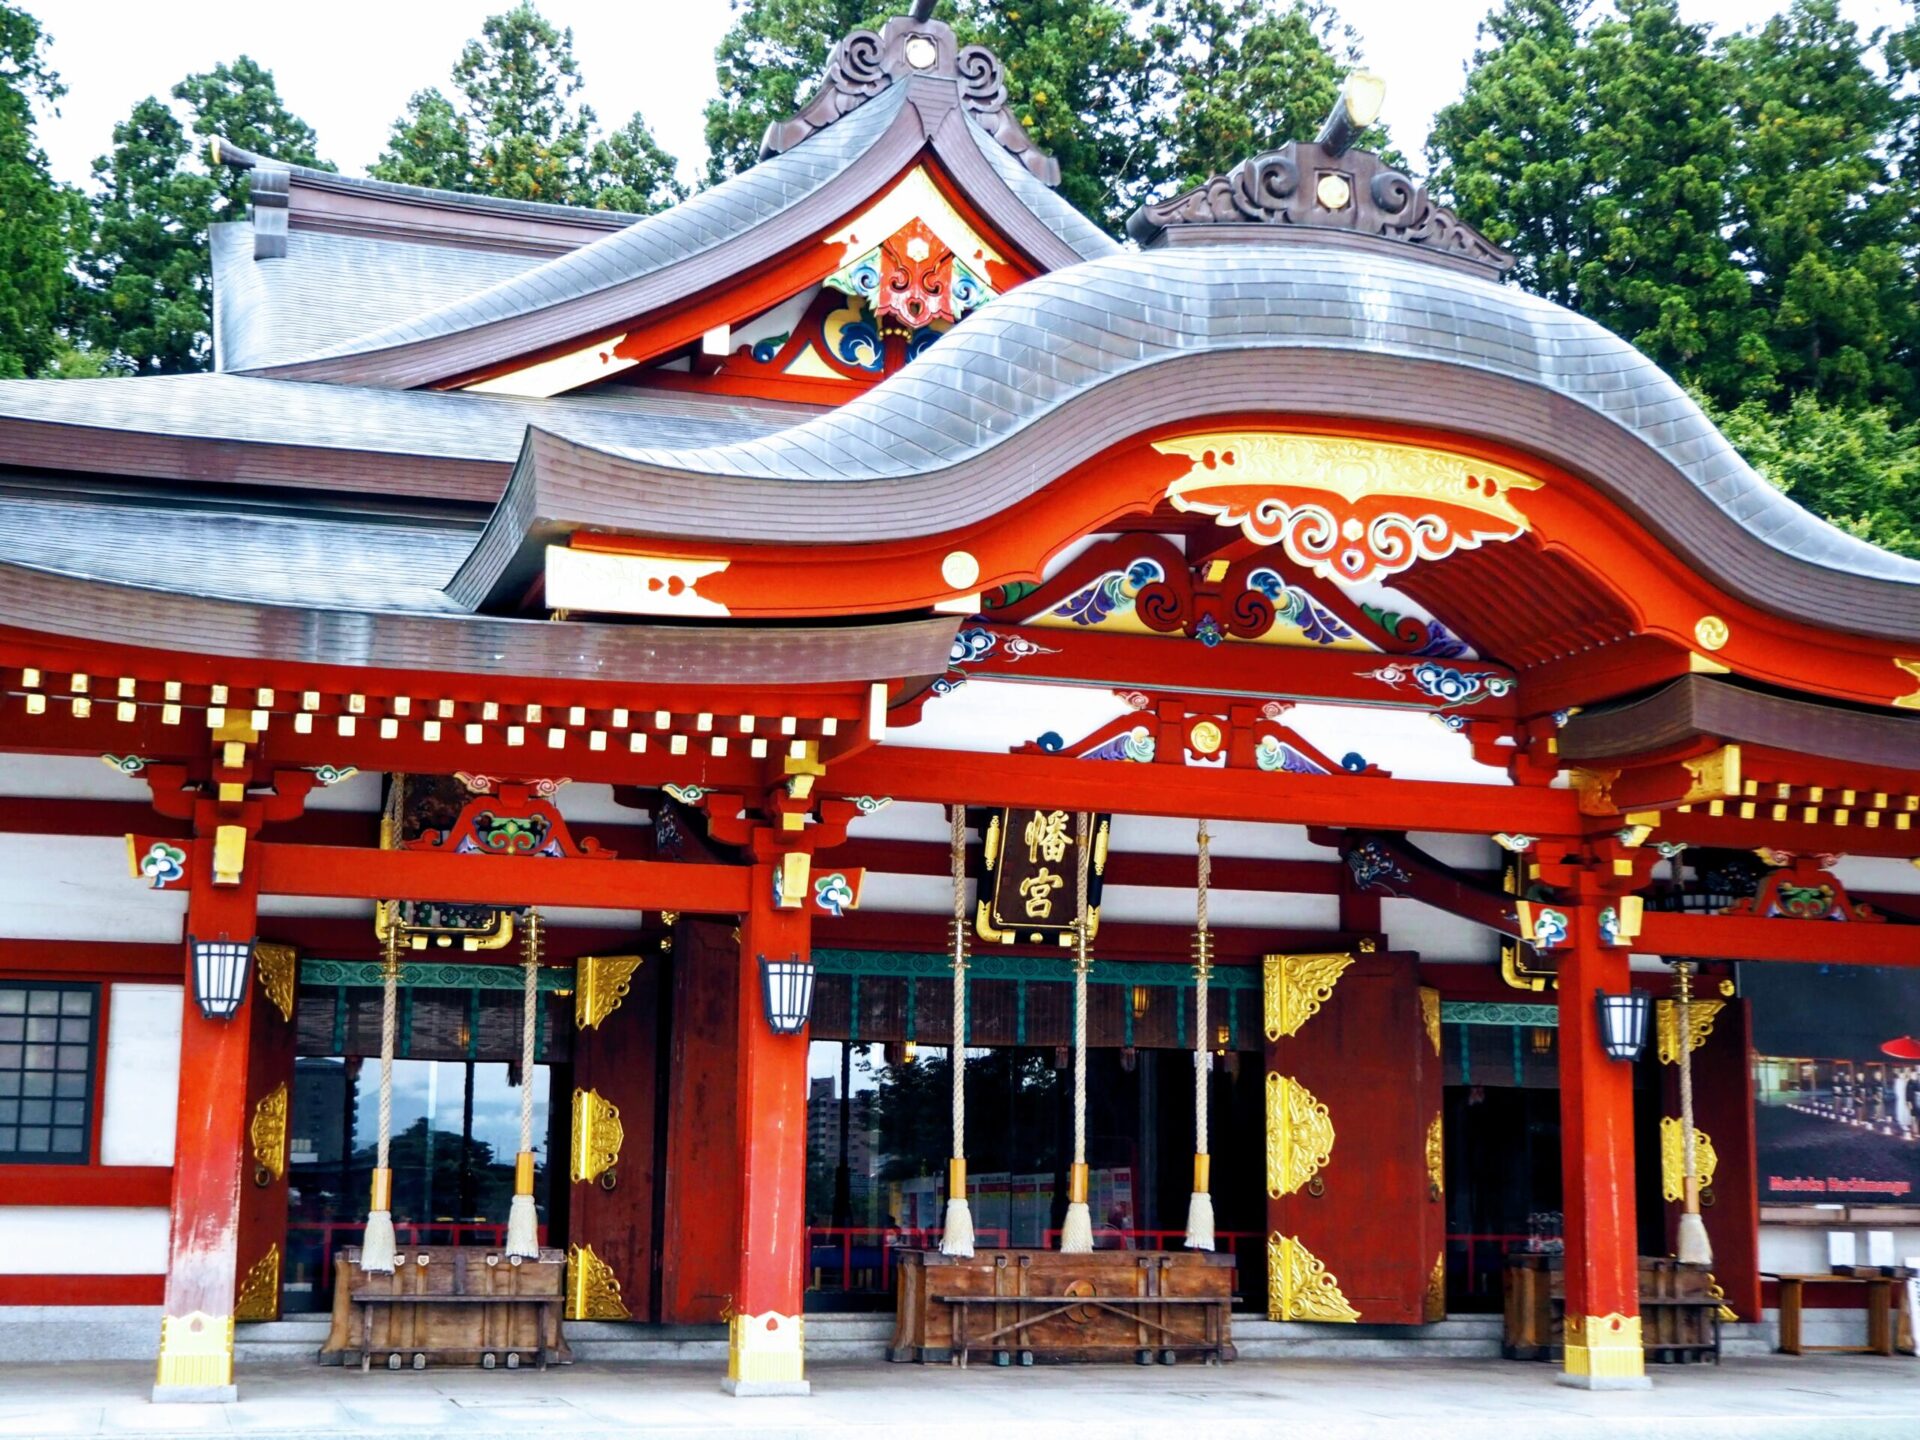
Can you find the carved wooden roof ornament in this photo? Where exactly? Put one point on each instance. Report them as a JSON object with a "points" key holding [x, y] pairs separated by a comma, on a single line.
{"points": [[1325, 191], [866, 62]]}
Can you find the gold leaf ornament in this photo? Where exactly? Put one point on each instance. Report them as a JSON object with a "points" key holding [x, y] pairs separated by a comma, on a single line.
{"points": [[1295, 987], [1299, 1135], [1299, 1287]]}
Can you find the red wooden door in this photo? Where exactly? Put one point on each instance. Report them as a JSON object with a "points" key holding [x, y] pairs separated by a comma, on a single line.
{"points": [[615, 1062], [1355, 1212]]}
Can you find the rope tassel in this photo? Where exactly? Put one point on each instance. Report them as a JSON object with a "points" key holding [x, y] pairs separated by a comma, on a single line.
{"points": [[1076, 1230], [377, 1246], [1200, 1204], [523, 1217], [957, 1237], [1692, 1247]]}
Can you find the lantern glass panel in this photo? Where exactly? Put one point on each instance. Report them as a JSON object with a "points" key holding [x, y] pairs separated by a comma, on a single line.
{"points": [[1623, 1023], [786, 988], [220, 975]]}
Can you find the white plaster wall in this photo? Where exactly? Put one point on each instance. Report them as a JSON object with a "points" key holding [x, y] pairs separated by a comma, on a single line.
{"points": [[67, 887], [71, 1240], [73, 777], [1878, 872], [1435, 934], [143, 1074]]}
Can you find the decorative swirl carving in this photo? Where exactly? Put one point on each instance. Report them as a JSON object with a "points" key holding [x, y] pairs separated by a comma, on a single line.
{"points": [[983, 84], [1251, 614], [866, 62], [1303, 185], [1164, 605]]}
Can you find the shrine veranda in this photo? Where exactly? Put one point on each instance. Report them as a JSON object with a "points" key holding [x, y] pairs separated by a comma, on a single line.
{"points": [[552, 649]]}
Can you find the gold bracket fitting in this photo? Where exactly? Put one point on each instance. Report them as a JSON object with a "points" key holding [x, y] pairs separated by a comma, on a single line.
{"points": [[956, 1178], [382, 1197], [523, 1173], [1202, 1174]]}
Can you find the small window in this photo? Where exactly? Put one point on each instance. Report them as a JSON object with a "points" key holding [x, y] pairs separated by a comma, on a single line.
{"points": [[47, 1035]]}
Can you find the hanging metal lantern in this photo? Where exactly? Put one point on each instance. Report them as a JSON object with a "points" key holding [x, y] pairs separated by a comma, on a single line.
{"points": [[220, 975], [1623, 1023], [786, 992]]}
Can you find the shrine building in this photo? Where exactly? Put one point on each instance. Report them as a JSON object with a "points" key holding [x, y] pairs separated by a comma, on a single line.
{"points": [[534, 770]]}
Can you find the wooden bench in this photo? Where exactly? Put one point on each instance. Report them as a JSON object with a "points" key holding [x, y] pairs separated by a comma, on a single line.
{"points": [[1679, 1310], [1881, 1289], [450, 1305], [1040, 1305]]}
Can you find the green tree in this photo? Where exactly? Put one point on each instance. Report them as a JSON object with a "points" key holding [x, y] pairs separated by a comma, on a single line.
{"points": [[1237, 77], [147, 266], [149, 279], [516, 128], [45, 222], [1821, 221], [768, 63], [240, 103], [1857, 466], [1080, 78], [1510, 152]]}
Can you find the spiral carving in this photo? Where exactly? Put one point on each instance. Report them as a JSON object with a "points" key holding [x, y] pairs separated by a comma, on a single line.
{"points": [[1394, 193], [858, 67], [983, 85], [1263, 186], [1161, 607], [1250, 615]]}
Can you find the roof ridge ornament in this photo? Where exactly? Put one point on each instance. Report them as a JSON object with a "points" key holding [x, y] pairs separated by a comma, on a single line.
{"points": [[1319, 190], [866, 62]]}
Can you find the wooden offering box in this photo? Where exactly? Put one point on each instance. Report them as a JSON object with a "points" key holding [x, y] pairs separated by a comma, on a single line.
{"points": [[449, 1305], [1679, 1312], [1028, 1305]]}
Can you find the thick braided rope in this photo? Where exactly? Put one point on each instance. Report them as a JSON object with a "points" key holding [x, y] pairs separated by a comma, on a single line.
{"points": [[1202, 970], [959, 1048], [1685, 1006], [388, 1028], [1083, 830], [530, 949]]}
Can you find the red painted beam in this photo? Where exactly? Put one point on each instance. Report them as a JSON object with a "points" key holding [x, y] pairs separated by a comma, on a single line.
{"points": [[1230, 872], [1741, 937], [92, 959], [497, 880], [82, 1289], [89, 1185], [1137, 662], [1117, 940], [940, 777]]}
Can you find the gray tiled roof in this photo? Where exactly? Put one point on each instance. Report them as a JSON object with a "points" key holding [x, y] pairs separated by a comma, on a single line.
{"points": [[697, 224], [224, 552], [1066, 334], [254, 409], [328, 288]]}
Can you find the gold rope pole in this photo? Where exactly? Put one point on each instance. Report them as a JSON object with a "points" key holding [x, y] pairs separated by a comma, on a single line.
{"points": [[957, 1237], [1076, 1231], [1693, 1247], [1200, 1204], [523, 1217], [377, 1246]]}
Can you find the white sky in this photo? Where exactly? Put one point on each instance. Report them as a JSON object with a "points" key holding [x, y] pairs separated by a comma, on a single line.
{"points": [[348, 66]]}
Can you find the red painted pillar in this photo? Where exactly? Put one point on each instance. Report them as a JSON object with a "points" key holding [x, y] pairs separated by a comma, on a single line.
{"points": [[1603, 1347], [766, 1339], [210, 1154]]}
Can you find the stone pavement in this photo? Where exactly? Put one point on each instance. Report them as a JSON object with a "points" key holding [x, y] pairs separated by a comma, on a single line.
{"points": [[1829, 1397]]}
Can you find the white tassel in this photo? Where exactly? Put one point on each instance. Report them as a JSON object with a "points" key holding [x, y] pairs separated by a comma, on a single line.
{"points": [[957, 1238], [377, 1246], [1693, 1247], [1200, 1221], [1076, 1233], [523, 1228]]}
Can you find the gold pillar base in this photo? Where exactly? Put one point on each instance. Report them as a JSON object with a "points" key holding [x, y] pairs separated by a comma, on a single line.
{"points": [[196, 1359], [766, 1355], [1603, 1352]]}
